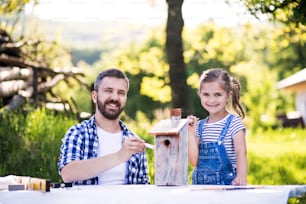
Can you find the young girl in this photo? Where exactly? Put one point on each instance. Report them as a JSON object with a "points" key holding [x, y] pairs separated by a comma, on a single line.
{"points": [[216, 144]]}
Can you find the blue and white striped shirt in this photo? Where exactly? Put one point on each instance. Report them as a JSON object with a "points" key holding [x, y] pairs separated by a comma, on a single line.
{"points": [[81, 142], [212, 131]]}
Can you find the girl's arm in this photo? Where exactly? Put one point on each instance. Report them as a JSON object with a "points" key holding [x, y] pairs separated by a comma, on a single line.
{"points": [[242, 162], [193, 141]]}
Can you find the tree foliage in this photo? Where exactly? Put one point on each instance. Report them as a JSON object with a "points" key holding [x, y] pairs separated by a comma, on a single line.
{"points": [[146, 67], [13, 6], [258, 56], [11, 13], [286, 11]]}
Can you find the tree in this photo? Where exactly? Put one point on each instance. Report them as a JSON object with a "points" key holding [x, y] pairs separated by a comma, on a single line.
{"points": [[174, 53], [292, 13], [11, 12], [286, 11]]}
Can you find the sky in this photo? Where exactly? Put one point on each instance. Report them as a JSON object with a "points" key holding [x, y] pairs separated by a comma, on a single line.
{"points": [[148, 12]]}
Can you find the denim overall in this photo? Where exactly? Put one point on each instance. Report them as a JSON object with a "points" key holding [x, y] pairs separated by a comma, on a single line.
{"points": [[214, 166]]}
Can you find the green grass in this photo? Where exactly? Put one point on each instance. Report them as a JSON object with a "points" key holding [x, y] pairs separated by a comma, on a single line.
{"points": [[277, 157]]}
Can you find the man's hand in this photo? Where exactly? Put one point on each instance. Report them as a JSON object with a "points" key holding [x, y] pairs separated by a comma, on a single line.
{"points": [[132, 145]]}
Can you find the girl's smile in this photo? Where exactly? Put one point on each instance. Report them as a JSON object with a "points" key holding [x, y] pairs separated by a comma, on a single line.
{"points": [[213, 98]]}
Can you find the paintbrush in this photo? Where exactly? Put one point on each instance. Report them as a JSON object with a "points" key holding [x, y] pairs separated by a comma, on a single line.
{"points": [[147, 145]]}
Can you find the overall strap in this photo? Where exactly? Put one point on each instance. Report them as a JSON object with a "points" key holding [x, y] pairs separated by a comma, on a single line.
{"points": [[225, 128], [200, 126], [223, 132]]}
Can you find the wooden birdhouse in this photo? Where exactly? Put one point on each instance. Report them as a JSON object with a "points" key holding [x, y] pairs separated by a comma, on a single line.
{"points": [[171, 152]]}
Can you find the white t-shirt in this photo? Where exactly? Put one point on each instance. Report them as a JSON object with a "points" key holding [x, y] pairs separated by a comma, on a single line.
{"points": [[110, 143]]}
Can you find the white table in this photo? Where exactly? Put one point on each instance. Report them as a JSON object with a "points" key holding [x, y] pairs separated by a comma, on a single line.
{"points": [[149, 194]]}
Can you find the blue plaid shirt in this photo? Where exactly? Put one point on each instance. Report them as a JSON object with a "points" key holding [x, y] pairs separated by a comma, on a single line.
{"points": [[81, 142]]}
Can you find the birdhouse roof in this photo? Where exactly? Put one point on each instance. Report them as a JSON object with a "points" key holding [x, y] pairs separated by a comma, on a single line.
{"points": [[165, 127]]}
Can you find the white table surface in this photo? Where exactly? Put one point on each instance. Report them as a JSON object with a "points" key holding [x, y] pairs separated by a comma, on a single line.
{"points": [[149, 194]]}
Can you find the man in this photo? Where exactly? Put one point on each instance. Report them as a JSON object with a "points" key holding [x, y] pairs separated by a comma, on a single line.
{"points": [[102, 150]]}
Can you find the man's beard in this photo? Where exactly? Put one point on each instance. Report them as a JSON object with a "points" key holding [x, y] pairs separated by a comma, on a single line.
{"points": [[111, 115]]}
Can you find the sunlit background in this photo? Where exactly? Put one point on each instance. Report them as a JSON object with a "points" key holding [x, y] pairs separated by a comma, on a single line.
{"points": [[148, 12]]}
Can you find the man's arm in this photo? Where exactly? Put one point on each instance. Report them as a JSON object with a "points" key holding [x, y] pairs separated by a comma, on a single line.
{"points": [[85, 169]]}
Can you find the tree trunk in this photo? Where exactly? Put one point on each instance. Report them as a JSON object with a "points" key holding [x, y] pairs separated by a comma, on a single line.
{"points": [[174, 52]]}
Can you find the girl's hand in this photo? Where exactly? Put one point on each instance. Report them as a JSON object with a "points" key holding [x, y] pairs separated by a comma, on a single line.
{"points": [[193, 140], [193, 120], [192, 125], [239, 181]]}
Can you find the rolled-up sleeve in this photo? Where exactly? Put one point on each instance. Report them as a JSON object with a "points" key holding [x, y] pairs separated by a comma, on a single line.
{"points": [[71, 148]]}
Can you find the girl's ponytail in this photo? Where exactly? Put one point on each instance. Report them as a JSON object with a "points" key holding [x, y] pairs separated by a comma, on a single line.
{"points": [[236, 97]]}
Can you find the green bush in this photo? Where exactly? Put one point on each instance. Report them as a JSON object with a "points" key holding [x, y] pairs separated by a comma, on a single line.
{"points": [[30, 143]]}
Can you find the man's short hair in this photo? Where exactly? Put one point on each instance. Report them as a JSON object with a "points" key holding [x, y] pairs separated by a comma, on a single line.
{"points": [[112, 72]]}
